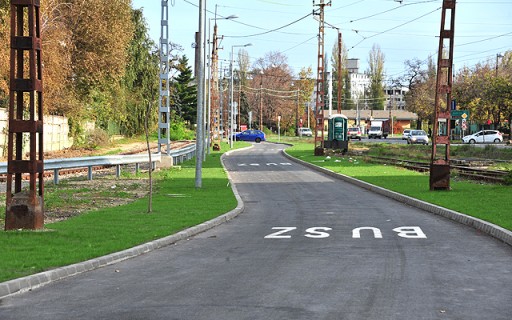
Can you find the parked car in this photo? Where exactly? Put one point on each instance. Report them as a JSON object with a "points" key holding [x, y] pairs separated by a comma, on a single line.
{"points": [[354, 133], [417, 136], [484, 136], [250, 135], [405, 134], [306, 132]]}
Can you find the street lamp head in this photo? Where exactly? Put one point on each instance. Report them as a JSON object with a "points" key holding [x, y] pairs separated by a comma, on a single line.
{"points": [[233, 16]]}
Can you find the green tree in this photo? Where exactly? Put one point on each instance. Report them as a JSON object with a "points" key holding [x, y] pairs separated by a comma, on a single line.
{"points": [[420, 79], [347, 102], [375, 72], [185, 92], [306, 86], [140, 82]]}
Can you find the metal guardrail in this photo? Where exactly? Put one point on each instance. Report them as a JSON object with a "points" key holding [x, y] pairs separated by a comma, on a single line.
{"points": [[178, 155], [183, 154]]}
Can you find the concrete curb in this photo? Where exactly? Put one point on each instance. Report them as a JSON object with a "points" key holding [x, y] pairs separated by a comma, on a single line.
{"points": [[31, 282], [478, 224]]}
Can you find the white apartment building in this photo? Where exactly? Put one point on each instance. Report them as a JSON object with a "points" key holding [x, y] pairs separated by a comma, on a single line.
{"points": [[359, 82], [395, 98]]}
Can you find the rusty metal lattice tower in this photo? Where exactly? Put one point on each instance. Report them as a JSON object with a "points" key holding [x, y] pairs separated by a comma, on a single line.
{"points": [[163, 104], [214, 89], [320, 81], [24, 206], [440, 166]]}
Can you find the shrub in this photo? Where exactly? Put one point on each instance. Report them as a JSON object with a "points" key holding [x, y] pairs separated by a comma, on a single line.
{"points": [[96, 138]]}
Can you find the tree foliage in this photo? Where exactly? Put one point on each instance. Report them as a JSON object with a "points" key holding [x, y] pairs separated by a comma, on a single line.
{"points": [[486, 90], [4, 53], [185, 92], [347, 103], [420, 79], [139, 86], [275, 76], [375, 72]]}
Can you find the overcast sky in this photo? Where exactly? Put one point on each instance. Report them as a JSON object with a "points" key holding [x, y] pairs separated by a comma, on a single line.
{"points": [[405, 30]]}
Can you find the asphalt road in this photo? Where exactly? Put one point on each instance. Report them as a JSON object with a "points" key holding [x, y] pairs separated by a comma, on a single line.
{"points": [[306, 247]]}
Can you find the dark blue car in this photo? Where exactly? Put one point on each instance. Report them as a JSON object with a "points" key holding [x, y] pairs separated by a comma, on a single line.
{"points": [[250, 135]]}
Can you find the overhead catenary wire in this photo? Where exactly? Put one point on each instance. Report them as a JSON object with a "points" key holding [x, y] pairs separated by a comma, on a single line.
{"points": [[273, 30]]}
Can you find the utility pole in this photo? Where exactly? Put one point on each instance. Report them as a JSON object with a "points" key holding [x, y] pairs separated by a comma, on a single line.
{"points": [[261, 102], [340, 76], [163, 104], [320, 81], [214, 81], [297, 112], [440, 167], [498, 55], [25, 209], [200, 99]]}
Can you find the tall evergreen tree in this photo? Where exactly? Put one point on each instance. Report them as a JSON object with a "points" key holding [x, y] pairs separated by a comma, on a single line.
{"points": [[185, 92]]}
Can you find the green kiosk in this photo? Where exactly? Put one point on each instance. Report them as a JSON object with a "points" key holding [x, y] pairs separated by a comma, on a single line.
{"points": [[337, 133]]}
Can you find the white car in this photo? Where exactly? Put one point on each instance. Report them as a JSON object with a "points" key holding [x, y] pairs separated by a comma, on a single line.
{"points": [[484, 136], [405, 134], [354, 133], [306, 132], [417, 136]]}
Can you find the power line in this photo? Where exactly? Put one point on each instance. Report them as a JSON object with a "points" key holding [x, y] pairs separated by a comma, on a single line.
{"points": [[396, 27], [273, 30]]}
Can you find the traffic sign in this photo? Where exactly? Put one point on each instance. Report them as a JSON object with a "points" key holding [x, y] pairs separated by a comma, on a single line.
{"points": [[460, 114]]}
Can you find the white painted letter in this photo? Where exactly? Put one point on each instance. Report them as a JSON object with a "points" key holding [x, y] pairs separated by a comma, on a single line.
{"points": [[410, 232], [314, 233], [279, 234], [356, 233]]}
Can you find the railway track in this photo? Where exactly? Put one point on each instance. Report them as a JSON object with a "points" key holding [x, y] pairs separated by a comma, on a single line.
{"points": [[465, 171], [77, 171]]}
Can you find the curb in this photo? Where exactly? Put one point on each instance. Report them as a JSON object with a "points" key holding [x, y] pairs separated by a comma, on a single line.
{"points": [[38, 280], [488, 228]]}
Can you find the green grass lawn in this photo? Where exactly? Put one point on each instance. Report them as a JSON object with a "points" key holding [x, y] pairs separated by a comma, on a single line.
{"points": [[177, 205], [489, 202]]}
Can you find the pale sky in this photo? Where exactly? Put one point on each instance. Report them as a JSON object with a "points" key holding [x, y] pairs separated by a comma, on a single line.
{"points": [[405, 30]]}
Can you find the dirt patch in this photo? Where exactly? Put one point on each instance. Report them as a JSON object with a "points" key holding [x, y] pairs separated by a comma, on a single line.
{"points": [[77, 196]]}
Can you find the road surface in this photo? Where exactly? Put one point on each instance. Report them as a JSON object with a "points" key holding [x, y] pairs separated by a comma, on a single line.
{"points": [[307, 246]]}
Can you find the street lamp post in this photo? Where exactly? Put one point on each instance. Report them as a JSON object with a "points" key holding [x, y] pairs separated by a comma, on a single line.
{"points": [[231, 123]]}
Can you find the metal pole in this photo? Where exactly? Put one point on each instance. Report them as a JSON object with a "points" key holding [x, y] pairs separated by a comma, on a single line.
{"points": [[498, 55], [261, 103], [164, 103], [297, 114], [231, 100], [200, 100]]}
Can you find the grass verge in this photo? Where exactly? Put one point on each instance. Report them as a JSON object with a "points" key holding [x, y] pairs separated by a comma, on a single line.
{"points": [[177, 205], [489, 202]]}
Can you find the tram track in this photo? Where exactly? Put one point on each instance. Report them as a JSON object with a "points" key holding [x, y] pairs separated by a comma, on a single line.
{"points": [[465, 171]]}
